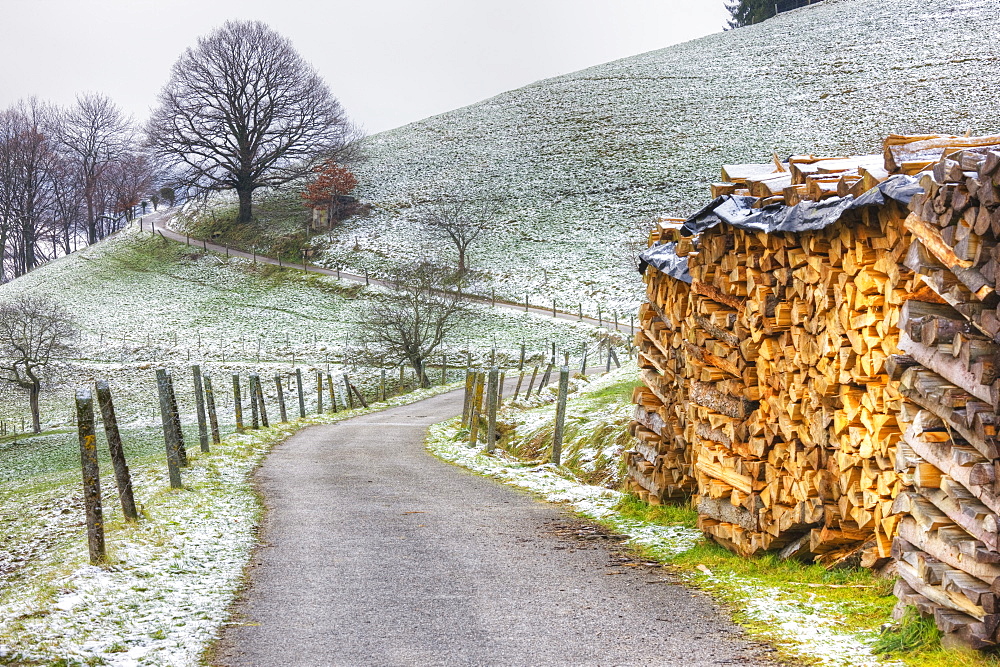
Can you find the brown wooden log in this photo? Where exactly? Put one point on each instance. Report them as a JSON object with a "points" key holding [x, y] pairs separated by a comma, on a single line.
{"points": [[706, 395]]}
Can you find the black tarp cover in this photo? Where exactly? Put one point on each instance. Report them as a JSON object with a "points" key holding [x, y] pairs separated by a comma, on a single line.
{"points": [[806, 216]]}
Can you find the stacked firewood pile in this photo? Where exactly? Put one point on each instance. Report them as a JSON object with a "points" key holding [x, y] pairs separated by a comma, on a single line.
{"points": [[794, 435], [775, 368], [947, 549], [823, 378], [659, 464]]}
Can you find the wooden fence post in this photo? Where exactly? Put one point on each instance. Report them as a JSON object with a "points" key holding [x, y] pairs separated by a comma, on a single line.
{"points": [[199, 401], [583, 364], [176, 421], [444, 369], [357, 393], [492, 394], [467, 398], [302, 396], [546, 377], [281, 398], [238, 403], [169, 435], [347, 386], [476, 411], [531, 383], [123, 478], [517, 388], [503, 376], [259, 393], [213, 416], [382, 385], [333, 394], [557, 435], [319, 392], [91, 475], [254, 410]]}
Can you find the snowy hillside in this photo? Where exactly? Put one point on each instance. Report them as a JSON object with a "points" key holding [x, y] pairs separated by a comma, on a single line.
{"points": [[582, 159]]}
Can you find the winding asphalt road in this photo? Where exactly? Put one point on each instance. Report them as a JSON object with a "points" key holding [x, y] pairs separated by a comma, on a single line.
{"points": [[376, 553]]}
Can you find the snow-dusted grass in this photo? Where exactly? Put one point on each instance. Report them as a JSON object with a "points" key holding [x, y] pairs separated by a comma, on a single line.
{"points": [[164, 590], [581, 160], [141, 303], [811, 615]]}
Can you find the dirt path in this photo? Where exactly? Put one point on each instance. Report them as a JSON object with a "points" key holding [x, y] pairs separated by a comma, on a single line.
{"points": [[376, 553], [157, 223]]}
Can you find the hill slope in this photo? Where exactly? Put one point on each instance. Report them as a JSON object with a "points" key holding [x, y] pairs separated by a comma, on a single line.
{"points": [[583, 159]]}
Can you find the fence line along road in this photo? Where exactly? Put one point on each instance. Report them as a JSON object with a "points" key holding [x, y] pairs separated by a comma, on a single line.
{"points": [[156, 223]]}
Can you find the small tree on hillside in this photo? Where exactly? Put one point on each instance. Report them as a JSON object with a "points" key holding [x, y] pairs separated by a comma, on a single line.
{"points": [[331, 182], [33, 332], [460, 221], [409, 324]]}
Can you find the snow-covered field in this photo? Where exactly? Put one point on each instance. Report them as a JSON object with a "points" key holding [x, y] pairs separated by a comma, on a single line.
{"points": [[582, 160], [804, 628]]}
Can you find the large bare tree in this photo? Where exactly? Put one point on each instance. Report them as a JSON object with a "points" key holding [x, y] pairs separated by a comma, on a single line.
{"points": [[409, 324], [33, 332], [242, 110]]}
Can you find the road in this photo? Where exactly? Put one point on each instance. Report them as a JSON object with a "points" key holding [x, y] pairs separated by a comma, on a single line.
{"points": [[376, 553], [158, 223]]}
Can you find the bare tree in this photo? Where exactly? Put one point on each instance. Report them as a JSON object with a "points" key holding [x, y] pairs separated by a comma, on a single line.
{"points": [[461, 221], [29, 167], [407, 325], [242, 111], [33, 331], [95, 134]]}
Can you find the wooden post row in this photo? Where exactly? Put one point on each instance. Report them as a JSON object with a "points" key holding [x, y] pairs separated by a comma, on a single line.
{"points": [[91, 476], [557, 435], [199, 400], [169, 435], [123, 478]]}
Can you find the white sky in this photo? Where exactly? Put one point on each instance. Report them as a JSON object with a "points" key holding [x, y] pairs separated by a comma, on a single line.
{"points": [[390, 62]]}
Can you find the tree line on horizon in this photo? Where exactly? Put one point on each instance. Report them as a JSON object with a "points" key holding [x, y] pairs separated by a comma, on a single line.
{"points": [[748, 12], [68, 177], [241, 110]]}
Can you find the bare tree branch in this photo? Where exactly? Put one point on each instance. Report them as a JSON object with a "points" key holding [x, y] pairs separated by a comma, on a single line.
{"points": [[408, 325]]}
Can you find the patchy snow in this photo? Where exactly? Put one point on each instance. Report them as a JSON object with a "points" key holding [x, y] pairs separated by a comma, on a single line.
{"points": [[581, 161], [169, 579], [811, 628]]}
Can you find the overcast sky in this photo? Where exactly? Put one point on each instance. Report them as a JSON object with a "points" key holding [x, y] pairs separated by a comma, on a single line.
{"points": [[390, 62]]}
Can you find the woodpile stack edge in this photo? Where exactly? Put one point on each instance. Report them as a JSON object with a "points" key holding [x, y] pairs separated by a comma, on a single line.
{"points": [[821, 368]]}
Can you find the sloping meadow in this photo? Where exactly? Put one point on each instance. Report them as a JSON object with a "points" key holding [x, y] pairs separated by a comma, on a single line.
{"points": [[141, 303], [582, 162]]}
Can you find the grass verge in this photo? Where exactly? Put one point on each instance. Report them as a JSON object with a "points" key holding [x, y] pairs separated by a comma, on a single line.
{"points": [[163, 591], [813, 616]]}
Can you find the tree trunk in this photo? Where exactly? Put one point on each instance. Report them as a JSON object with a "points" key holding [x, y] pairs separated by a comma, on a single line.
{"points": [[461, 261], [36, 420], [418, 369], [91, 220], [246, 206]]}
